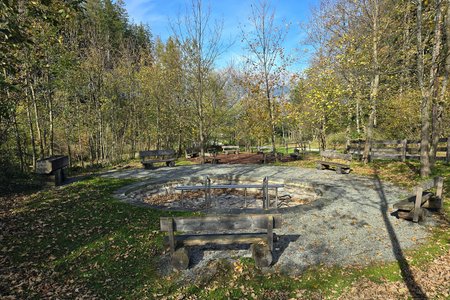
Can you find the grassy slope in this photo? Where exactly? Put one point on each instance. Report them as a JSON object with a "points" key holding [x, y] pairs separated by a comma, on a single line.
{"points": [[79, 240]]}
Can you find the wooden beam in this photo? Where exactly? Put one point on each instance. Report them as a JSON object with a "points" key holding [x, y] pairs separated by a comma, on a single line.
{"points": [[220, 222], [417, 204], [221, 239]]}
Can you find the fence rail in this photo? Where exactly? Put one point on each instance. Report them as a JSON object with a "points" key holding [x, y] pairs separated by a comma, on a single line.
{"points": [[398, 149]]}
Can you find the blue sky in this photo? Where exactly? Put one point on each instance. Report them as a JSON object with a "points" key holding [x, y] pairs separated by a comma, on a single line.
{"points": [[158, 13]]}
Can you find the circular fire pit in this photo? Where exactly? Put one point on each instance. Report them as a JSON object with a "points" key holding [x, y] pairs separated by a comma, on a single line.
{"points": [[164, 195]]}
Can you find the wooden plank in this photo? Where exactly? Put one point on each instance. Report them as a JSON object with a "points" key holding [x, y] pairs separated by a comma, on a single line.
{"points": [[221, 239], [408, 203], [417, 204], [428, 184], [171, 235], [388, 150], [146, 153], [335, 155], [270, 232], [330, 163], [227, 186], [52, 163], [387, 142], [220, 222], [151, 161]]}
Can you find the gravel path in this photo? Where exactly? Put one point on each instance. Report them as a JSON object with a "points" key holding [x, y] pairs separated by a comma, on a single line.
{"points": [[350, 224]]}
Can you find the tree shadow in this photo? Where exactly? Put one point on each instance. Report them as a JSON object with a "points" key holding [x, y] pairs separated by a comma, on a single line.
{"points": [[414, 289]]}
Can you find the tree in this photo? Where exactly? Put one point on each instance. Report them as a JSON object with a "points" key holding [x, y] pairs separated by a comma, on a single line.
{"points": [[266, 57], [200, 42]]}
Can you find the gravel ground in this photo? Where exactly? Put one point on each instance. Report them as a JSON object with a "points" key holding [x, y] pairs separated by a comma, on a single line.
{"points": [[349, 224]]}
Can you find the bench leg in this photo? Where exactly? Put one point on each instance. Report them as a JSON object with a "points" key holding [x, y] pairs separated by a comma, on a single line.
{"points": [[180, 259], [417, 204], [148, 166], [339, 170], [320, 167], [262, 255], [58, 177]]}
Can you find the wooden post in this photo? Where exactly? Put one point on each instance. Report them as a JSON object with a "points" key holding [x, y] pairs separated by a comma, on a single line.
{"points": [[265, 193], [270, 232], [439, 188], [404, 145], [276, 197], [245, 197], [58, 177], [447, 157], [417, 204], [171, 237]]}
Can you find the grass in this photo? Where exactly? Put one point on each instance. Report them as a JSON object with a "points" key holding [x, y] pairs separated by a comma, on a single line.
{"points": [[79, 238]]}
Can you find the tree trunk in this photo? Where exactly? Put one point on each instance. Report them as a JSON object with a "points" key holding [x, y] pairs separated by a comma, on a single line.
{"points": [[38, 127], [424, 110], [374, 86], [438, 104], [33, 140]]}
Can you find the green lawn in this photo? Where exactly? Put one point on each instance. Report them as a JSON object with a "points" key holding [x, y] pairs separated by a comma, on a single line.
{"points": [[80, 240]]}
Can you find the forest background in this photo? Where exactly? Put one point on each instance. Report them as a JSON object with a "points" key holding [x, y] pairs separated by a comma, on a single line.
{"points": [[79, 79]]}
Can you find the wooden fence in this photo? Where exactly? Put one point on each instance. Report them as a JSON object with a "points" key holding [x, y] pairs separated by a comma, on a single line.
{"points": [[398, 149]]}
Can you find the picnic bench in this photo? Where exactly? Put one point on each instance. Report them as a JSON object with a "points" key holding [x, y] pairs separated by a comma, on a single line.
{"points": [[221, 230], [296, 154], [211, 156], [53, 168], [157, 156], [329, 160], [412, 208], [270, 156], [207, 187], [191, 152], [230, 149], [264, 149]]}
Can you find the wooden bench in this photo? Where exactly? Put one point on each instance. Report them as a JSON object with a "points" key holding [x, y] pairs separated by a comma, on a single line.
{"points": [[221, 230], [264, 149], [412, 208], [211, 156], [191, 152], [327, 161], [270, 156], [296, 154], [165, 156], [53, 168], [207, 187], [230, 149]]}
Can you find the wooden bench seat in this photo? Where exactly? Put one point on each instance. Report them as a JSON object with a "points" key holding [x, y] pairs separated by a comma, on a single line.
{"points": [[161, 156], [53, 169], [221, 230], [327, 161], [211, 159], [412, 208], [230, 149]]}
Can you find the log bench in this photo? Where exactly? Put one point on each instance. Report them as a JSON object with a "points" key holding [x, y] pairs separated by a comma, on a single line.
{"points": [[221, 230], [53, 168], [412, 208], [329, 161], [230, 149], [157, 156]]}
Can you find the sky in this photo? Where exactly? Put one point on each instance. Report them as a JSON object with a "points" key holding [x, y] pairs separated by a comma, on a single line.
{"points": [[158, 15]]}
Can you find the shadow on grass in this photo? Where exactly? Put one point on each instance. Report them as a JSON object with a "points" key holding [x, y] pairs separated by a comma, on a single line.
{"points": [[414, 289]]}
